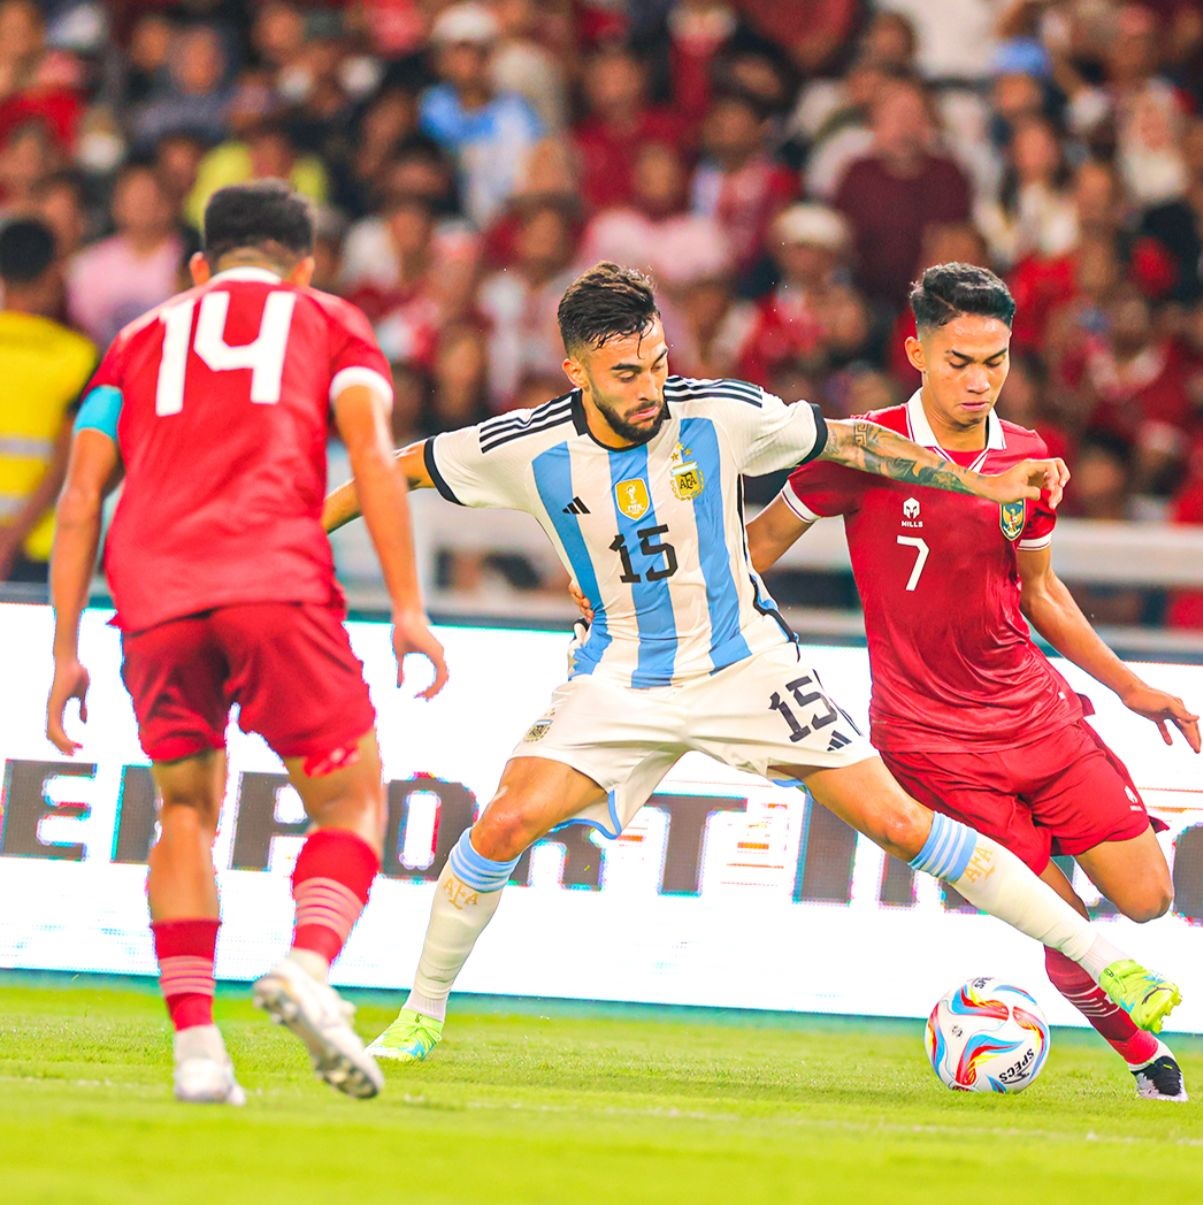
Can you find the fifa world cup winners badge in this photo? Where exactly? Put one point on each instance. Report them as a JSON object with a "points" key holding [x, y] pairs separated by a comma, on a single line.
{"points": [[686, 476], [1011, 518]]}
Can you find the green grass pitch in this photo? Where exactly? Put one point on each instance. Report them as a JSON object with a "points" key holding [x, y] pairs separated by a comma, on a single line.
{"points": [[538, 1102]]}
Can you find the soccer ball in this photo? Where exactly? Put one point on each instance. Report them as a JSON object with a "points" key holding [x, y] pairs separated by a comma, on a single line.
{"points": [[987, 1036]]}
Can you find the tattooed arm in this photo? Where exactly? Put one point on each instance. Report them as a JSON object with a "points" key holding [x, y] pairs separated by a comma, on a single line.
{"points": [[871, 448], [342, 504]]}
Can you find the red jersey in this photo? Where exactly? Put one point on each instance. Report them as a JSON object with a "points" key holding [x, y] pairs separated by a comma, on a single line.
{"points": [[951, 656], [225, 415]]}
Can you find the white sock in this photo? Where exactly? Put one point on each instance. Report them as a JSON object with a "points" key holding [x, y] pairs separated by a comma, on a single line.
{"points": [[458, 917], [312, 963], [995, 880]]}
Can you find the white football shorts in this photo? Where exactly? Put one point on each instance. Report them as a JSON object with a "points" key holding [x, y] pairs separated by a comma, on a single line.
{"points": [[768, 710]]}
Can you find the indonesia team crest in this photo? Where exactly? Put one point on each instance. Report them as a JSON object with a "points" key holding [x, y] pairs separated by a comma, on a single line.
{"points": [[687, 478], [632, 497], [1011, 518]]}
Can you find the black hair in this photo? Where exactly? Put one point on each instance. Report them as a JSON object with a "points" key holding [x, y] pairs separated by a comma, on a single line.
{"points": [[26, 251], [946, 291], [264, 216], [604, 303]]}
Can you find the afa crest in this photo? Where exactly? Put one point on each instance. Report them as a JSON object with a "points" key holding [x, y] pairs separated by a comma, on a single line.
{"points": [[687, 479], [539, 729], [632, 497], [1011, 518]]}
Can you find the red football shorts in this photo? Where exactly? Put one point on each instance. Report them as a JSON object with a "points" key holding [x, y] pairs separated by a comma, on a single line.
{"points": [[1063, 794], [288, 666]]}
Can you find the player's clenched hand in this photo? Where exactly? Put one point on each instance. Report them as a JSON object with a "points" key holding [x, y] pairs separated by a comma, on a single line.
{"points": [[582, 603], [71, 681], [412, 634], [1164, 709], [1029, 479]]}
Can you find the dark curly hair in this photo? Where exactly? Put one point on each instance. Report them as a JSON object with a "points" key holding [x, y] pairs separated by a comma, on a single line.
{"points": [[946, 291], [604, 303]]}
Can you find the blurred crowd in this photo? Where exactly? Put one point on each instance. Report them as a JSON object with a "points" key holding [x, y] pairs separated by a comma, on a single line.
{"points": [[784, 168]]}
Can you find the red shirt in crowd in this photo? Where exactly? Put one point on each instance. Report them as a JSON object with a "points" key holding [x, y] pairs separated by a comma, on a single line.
{"points": [[607, 153], [889, 214]]}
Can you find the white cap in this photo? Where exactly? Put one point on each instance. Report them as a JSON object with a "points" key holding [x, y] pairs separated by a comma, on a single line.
{"points": [[465, 23], [815, 225]]}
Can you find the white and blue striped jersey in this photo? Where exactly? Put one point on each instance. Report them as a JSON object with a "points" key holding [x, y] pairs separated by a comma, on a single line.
{"points": [[654, 534]]}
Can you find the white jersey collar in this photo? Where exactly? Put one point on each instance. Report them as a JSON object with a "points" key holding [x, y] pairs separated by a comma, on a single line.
{"points": [[262, 275], [922, 434]]}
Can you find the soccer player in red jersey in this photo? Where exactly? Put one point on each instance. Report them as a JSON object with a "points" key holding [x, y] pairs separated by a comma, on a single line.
{"points": [[216, 407], [969, 716]]}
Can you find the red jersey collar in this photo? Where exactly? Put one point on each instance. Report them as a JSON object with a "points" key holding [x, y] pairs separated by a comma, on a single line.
{"points": [[919, 429]]}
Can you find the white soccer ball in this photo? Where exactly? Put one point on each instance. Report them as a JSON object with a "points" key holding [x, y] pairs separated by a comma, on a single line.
{"points": [[987, 1036]]}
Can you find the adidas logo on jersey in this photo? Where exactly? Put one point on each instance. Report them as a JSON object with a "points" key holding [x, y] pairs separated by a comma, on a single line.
{"points": [[838, 741], [576, 507]]}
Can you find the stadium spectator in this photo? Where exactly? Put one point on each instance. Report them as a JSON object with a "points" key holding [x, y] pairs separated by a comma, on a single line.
{"points": [[490, 134], [44, 366], [266, 151], [1101, 489], [812, 317], [655, 232], [36, 84], [1034, 213], [136, 268], [195, 95], [26, 159], [618, 118], [519, 303], [891, 195], [524, 65], [60, 200], [738, 183]]}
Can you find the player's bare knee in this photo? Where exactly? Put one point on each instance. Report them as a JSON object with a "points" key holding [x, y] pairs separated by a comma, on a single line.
{"points": [[501, 834], [184, 812], [902, 830], [1155, 901]]}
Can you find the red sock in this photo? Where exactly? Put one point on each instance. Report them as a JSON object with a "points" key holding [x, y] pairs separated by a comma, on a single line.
{"points": [[185, 950], [1133, 1045], [330, 884]]}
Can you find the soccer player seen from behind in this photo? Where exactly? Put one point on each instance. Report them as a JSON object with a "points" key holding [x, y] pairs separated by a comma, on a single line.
{"points": [[969, 716], [216, 407], [635, 477]]}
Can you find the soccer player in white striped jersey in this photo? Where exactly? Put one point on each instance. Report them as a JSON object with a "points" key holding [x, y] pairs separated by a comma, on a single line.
{"points": [[635, 476]]}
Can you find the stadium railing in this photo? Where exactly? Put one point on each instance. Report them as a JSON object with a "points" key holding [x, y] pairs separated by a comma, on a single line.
{"points": [[1088, 553]]}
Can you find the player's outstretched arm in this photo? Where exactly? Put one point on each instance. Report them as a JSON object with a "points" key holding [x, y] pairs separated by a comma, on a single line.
{"points": [[864, 445], [91, 468], [773, 531], [362, 416], [342, 505], [1052, 611]]}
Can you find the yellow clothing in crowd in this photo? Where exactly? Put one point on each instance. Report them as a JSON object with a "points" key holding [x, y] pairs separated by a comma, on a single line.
{"points": [[44, 366]]}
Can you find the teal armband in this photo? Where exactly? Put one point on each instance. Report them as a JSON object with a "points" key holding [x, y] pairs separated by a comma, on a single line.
{"points": [[100, 411]]}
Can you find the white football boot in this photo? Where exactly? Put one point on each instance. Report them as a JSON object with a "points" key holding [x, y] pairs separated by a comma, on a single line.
{"points": [[204, 1074], [321, 1018]]}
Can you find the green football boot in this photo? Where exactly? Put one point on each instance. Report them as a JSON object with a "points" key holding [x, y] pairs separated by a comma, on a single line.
{"points": [[1143, 994], [409, 1039]]}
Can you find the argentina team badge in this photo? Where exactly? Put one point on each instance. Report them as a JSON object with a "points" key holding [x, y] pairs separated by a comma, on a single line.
{"points": [[1011, 518], [632, 497], [687, 479]]}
